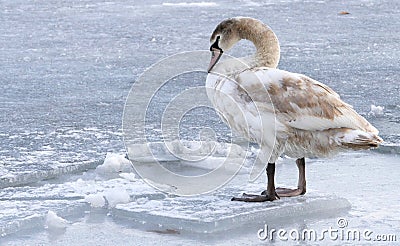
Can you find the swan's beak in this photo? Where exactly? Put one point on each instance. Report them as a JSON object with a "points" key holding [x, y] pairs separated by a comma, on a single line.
{"points": [[215, 55]]}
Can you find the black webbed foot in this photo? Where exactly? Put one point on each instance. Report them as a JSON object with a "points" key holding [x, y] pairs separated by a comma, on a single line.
{"points": [[256, 198]]}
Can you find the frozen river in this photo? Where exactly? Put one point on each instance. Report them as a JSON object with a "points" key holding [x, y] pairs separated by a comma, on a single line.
{"points": [[66, 68]]}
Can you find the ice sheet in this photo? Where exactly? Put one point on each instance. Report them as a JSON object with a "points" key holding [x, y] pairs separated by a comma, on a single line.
{"points": [[67, 67], [129, 197], [213, 213], [25, 208]]}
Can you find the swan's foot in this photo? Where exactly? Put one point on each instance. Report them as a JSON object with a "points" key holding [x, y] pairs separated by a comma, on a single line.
{"points": [[301, 186], [271, 193], [286, 192], [256, 198]]}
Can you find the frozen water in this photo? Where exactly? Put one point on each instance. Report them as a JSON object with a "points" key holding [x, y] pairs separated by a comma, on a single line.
{"points": [[116, 196], [96, 200], [128, 176], [376, 110], [114, 164], [67, 68], [55, 222], [213, 213], [192, 4], [150, 210]]}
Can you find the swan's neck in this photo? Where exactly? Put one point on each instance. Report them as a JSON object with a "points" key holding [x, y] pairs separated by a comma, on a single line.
{"points": [[265, 41]]}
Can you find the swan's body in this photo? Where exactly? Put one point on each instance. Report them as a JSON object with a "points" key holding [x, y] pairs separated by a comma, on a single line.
{"points": [[308, 117], [285, 113]]}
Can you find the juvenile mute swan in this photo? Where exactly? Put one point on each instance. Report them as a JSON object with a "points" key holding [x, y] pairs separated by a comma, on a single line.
{"points": [[285, 113]]}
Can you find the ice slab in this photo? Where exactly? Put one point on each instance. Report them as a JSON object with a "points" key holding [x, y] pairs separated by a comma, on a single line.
{"points": [[389, 148], [182, 150], [214, 213], [33, 155], [190, 167], [26, 207], [49, 172], [27, 215]]}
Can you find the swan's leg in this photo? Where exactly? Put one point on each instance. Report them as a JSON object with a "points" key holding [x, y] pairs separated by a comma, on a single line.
{"points": [[301, 186], [270, 193]]}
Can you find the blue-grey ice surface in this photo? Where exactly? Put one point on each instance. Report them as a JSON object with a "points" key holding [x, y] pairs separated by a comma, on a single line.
{"points": [[66, 70]]}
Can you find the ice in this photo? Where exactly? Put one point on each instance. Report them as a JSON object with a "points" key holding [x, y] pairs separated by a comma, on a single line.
{"points": [[30, 214], [376, 110], [181, 150], [25, 207], [132, 198], [55, 222], [67, 68], [192, 4], [209, 214], [116, 196], [52, 153], [96, 200], [23, 178], [388, 148], [128, 176], [114, 163]]}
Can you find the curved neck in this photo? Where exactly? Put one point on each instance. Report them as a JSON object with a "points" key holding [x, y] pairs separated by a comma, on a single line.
{"points": [[265, 41]]}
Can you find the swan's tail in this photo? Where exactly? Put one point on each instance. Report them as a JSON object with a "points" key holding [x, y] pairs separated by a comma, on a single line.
{"points": [[357, 139]]}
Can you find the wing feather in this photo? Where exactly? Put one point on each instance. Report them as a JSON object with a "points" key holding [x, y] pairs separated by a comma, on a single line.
{"points": [[301, 102]]}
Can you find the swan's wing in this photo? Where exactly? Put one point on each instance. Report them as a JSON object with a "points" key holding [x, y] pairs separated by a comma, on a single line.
{"points": [[301, 102]]}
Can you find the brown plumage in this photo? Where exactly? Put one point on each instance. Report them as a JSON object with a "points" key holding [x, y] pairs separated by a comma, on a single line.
{"points": [[285, 113]]}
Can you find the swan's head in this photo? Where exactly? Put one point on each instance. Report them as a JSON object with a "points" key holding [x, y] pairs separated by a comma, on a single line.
{"points": [[230, 31], [225, 35]]}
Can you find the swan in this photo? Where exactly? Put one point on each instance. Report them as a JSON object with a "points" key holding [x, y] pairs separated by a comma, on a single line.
{"points": [[283, 112]]}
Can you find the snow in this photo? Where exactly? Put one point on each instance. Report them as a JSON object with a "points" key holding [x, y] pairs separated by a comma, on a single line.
{"points": [[376, 110], [116, 196], [54, 222], [96, 200], [128, 176], [114, 163]]}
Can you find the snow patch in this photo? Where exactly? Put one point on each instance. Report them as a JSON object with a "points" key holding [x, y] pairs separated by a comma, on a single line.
{"points": [[114, 163], [110, 198], [376, 110], [96, 200], [128, 176], [154, 204], [55, 222], [116, 196], [7, 175]]}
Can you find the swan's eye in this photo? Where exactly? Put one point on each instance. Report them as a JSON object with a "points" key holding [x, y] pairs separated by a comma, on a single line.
{"points": [[215, 44]]}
